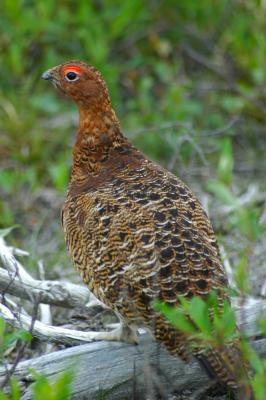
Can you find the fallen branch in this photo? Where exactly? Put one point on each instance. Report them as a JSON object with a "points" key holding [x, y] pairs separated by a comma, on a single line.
{"points": [[120, 369], [117, 369], [15, 280], [47, 333], [20, 351], [56, 293], [252, 310]]}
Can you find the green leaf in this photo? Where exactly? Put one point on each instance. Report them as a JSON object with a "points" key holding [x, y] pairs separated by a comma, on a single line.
{"points": [[2, 335], [41, 389], [60, 389], [20, 334], [6, 231], [23, 335], [228, 320], [226, 162], [261, 322], [241, 274], [248, 222], [181, 322], [2, 326], [15, 389], [3, 396], [222, 192], [62, 386], [199, 313], [176, 316], [252, 356], [259, 386]]}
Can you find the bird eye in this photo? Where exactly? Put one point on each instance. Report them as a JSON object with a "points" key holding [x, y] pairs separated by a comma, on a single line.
{"points": [[72, 76]]}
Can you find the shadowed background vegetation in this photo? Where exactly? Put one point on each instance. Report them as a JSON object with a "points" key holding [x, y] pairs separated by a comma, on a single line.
{"points": [[187, 80]]}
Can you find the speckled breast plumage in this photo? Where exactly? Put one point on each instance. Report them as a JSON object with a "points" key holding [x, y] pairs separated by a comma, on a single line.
{"points": [[141, 236]]}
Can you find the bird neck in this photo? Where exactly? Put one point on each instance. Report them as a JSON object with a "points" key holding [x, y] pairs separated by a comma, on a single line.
{"points": [[94, 120], [99, 131]]}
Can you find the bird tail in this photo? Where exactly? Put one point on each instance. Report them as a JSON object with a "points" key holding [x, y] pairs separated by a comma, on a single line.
{"points": [[228, 368]]}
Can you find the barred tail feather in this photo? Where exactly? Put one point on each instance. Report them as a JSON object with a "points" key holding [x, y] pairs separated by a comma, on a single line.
{"points": [[227, 367]]}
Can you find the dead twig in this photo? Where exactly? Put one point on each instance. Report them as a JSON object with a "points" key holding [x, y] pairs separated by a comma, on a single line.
{"points": [[252, 308], [21, 347], [188, 127], [15, 280]]}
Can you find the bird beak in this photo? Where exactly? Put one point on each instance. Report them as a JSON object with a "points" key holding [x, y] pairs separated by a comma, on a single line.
{"points": [[47, 75]]}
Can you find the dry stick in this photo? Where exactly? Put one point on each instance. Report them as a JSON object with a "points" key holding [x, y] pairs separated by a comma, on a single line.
{"points": [[253, 309], [228, 268], [188, 127], [56, 293], [18, 282], [67, 295], [45, 309], [22, 347], [56, 334], [8, 259]]}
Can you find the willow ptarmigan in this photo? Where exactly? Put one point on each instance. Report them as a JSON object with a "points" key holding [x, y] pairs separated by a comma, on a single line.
{"points": [[135, 232]]}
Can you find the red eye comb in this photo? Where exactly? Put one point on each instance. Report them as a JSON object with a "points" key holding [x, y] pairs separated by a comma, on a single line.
{"points": [[72, 68]]}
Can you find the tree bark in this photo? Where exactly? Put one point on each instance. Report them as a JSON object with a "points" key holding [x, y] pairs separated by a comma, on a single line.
{"points": [[119, 370]]}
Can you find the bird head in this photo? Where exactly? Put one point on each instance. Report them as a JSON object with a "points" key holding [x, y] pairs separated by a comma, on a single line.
{"points": [[80, 81]]}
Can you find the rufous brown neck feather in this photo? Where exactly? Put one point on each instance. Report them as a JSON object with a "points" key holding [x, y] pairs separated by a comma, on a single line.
{"points": [[99, 136], [98, 132]]}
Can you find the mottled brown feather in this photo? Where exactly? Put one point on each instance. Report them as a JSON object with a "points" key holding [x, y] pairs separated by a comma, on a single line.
{"points": [[135, 232]]}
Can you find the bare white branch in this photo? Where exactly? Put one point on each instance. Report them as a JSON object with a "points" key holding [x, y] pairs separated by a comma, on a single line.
{"points": [[252, 310], [228, 268], [50, 333], [15, 280], [56, 293], [45, 309]]}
